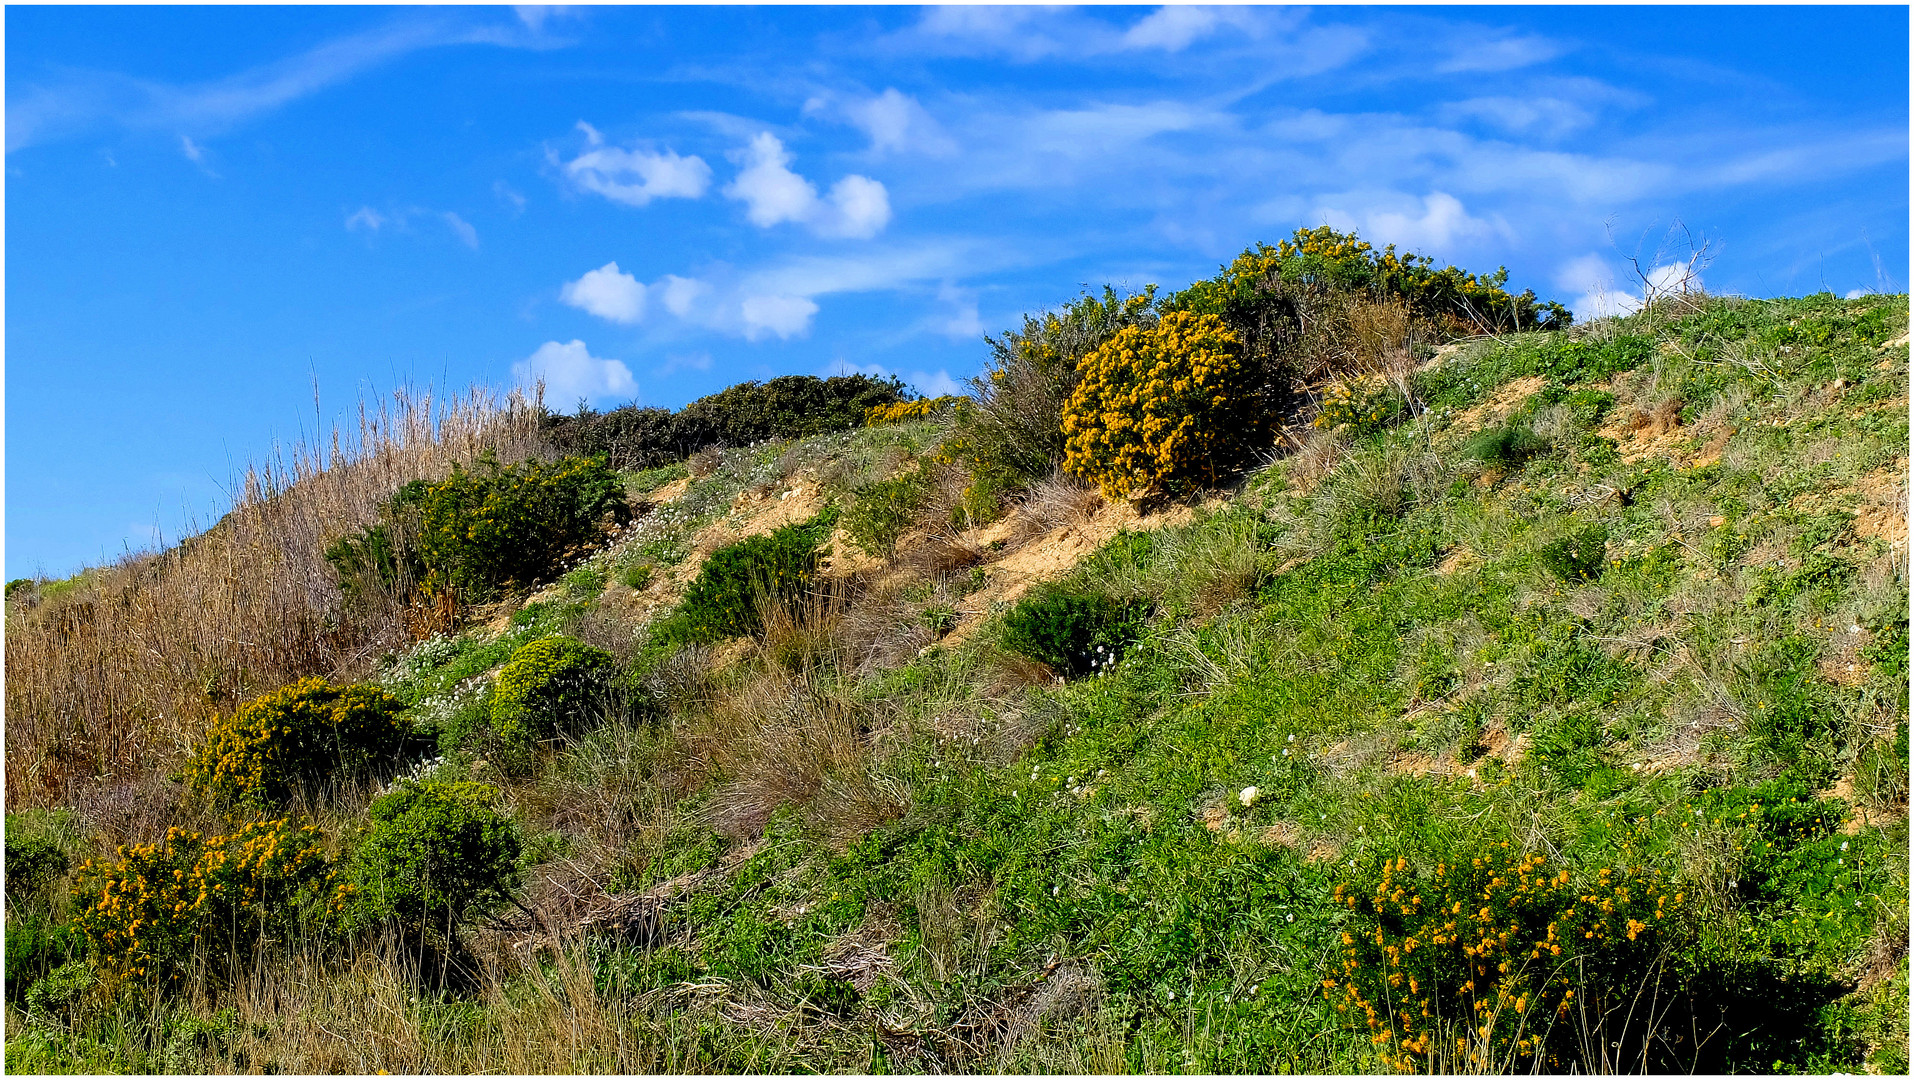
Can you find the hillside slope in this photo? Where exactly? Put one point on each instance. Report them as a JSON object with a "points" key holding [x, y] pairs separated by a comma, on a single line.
{"points": [[1555, 720]]}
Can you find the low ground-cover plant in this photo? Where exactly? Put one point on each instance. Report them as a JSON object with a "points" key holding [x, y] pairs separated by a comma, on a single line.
{"points": [[159, 907], [435, 854], [290, 741], [881, 511]]}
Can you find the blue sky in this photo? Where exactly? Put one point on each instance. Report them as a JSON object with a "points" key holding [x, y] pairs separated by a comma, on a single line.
{"points": [[209, 210]]}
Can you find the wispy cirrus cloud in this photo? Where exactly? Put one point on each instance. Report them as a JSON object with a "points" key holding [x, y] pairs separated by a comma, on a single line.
{"points": [[71, 101]]}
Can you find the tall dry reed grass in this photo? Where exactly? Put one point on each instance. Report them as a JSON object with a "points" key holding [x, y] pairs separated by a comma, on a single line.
{"points": [[124, 670]]}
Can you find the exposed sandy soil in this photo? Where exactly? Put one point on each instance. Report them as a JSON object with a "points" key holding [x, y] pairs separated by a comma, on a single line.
{"points": [[1505, 401]]}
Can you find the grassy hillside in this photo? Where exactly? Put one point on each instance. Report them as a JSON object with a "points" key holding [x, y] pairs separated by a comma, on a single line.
{"points": [[1540, 703]]}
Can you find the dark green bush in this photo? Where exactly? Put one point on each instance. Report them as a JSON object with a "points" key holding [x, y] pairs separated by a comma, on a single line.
{"points": [[881, 511], [1505, 445], [726, 598], [435, 855], [479, 531], [1074, 633], [551, 686], [1580, 556], [293, 739], [33, 863], [789, 407]]}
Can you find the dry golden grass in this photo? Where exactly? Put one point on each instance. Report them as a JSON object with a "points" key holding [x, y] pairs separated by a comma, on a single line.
{"points": [[123, 671]]}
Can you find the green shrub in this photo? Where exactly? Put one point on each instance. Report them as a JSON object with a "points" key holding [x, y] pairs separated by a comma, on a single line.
{"points": [[291, 740], [505, 525], [637, 575], [726, 599], [479, 531], [585, 583], [1074, 633], [147, 915], [880, 512], [435, 854], [551, 686], [1504, 445], [60, 991], [1580, 556], [32, 864], [1361, 406], [37, 945]]}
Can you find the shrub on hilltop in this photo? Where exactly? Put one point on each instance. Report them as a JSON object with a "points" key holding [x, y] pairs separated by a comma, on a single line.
{"points": [[789, 407]]}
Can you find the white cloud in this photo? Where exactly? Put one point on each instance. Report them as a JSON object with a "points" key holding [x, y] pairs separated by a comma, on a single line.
{"points": [[857, 207], [635, 177], [1521, 115], [928, 383], [365, 218], [1173, 27], [461, 228], [964, 321], [784, 316], [1498, 54], [896, 123], [608, 293], [681, 295], [535, 16], [1438, 224], [1856, 294], [76, 101], [570, 372], [1602, 297], [191, 149]]}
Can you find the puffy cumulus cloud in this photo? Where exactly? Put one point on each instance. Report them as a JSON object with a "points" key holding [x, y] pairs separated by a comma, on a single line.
{"points": [[856, 208], [1438, 223], [634, 177], [783, 316], [569, 372], [1601, 295], [608, 293]]}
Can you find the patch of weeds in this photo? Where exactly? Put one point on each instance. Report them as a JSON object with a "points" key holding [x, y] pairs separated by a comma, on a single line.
{"points": [[1579, 556], [1507, 446]]}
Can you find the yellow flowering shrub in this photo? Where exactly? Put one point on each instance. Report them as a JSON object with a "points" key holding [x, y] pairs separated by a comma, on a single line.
{"points": [[899, 412], [295, 737], [147, 915], [1359, 405], [1161, 408], [1480, 966]]}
